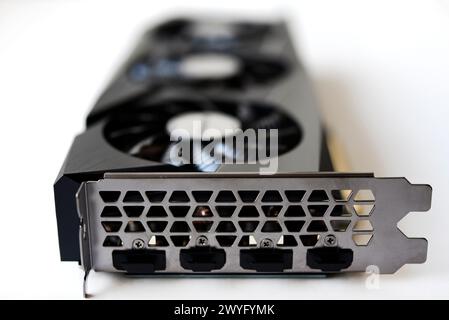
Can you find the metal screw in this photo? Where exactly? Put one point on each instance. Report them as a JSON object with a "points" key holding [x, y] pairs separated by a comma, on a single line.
{"points": [[266, 243], [202, 241], [138, 244], [330, 240]]}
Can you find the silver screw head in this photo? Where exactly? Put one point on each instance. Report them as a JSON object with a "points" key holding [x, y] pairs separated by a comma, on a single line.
{"points": [[330, 240], [138, 244], [266, 243], [202, 241]]}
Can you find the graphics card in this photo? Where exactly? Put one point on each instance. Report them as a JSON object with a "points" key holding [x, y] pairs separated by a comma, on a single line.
{"points": [[206, 155]]}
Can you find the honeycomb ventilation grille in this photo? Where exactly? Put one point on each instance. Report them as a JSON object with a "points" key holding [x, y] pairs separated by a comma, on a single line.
{"points": [[231, 218]]}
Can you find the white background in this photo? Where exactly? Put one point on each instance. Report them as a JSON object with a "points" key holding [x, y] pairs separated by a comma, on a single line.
{"points": [[381, 72]]}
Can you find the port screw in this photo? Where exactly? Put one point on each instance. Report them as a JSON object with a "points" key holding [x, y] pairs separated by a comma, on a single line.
{"points": [[202, 241], [266, 243], [138, 244], [330, 240]]}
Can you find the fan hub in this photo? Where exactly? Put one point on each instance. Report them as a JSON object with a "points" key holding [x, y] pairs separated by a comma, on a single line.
{"points": [[203, 125]]}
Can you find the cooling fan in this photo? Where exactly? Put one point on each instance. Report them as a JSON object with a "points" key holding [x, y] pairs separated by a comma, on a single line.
{"points": [[212, 35], [208, 69], [144, 130]]}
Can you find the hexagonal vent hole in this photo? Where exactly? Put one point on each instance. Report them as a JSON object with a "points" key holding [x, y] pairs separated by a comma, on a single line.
{"points": [[155, 196], [112, 241], [111, 226], [362, 225], [294, 211], [271, 211], [134, 226], [179, 211], [363, 210], [202, 212], [180, 241], [179, 226], [248, 226], [157, 212], [287, 241], [272, 196], [225, 226], [225, 196], [364, 195], [340, 225], [247, 241], [202, 226], [110, 212], [318, 196], [362, 239], [110, 196], [294, 195], [133, 196], [341, 195], [271, 226], [248, 212], [317, 210], [341, 211], [179, 197], [157, 226], [202, 195], [225, 211], [158, 241], [226, 241], [133, 211], [317, 226], [248, 195], [294, 225], [309, 240]]}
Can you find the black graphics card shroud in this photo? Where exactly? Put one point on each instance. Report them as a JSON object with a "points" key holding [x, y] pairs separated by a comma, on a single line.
{"points": [[122, 205]]}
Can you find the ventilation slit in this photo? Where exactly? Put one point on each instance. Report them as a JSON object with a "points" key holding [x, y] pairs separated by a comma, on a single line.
{"points": [[156, 212], [133, 196], [109, 196], [180, 226], [294, 195], [225, 196], [272, 196], [271, 211], [287, 241], [340, 225], [317, 210], [157, 226], [180, 241], [110, 212], [309, 240], [317, 226], [134, 226], [226, 241], [225, 211], [248, 226], [202, 196], [247, 241], [318, 196], [341, 195], [294, 225], [155, 196], [248, 212], [295, 211], [158, 241], [225, 227], [202, 212], [111, 226], [202, 226], [179, 197], [112, 241], [133, 211], [248, 195], [179, 211], [271, 226]]}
